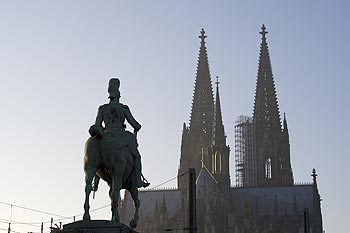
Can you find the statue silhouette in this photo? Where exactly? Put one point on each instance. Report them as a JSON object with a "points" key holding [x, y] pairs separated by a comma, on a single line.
{"points": [[111, 154]]}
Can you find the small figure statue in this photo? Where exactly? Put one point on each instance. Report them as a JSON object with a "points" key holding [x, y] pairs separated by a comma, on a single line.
{"points": [[113, 115]]}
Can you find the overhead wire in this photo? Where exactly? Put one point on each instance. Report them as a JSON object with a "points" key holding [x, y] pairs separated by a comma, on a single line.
{"points": [[105, 206], [34, 224], [61, 217], [31, 209], [3, 229], [2, 220]]}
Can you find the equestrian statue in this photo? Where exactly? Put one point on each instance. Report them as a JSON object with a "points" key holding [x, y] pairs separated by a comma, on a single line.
{"points": [[111, 154]]}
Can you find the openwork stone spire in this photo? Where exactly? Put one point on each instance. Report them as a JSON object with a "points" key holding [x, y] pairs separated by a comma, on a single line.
{"points": [[271, 143], [220, 151], [201, 148], [266, 113], [219, 138], [196, 138], [202, 113]]}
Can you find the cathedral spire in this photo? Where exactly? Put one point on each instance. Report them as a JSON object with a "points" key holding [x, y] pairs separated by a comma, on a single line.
{"points": [[219, 138], [202, 112], [266, 113], [220, 151], [271, 142], [197, 137]]}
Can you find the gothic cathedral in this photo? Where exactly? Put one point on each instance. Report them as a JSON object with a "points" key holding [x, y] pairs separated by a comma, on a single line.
{"points": [[264, 198]]}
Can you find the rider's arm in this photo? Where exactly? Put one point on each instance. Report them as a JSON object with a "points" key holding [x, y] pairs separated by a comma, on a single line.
{"points": [[99, 120], [131, 119]]}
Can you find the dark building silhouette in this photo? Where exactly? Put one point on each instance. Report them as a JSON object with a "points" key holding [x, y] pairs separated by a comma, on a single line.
{"points": [[203, 141], [265, 198], [271, 140]]}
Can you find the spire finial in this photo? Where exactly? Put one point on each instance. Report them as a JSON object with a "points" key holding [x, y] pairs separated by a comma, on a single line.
{"points": [[263, 32], [314, 175], [202, 36], [217, 82]]}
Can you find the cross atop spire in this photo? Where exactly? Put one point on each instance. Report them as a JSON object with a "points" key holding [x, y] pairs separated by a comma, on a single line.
{"points": [[263, 32], [202, 36]]}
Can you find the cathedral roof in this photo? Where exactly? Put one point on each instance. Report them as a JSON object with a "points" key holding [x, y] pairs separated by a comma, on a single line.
{"points": [[272, 201], [206, 184]]}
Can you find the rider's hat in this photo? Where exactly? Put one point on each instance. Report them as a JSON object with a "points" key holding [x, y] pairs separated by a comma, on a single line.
{"points": [[113, 88]]}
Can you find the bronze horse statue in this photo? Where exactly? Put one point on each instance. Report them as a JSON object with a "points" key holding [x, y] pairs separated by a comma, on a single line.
{"points": [[111, 154], [113, 166]]}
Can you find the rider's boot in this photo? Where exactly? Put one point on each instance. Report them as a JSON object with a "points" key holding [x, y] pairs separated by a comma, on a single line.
{"points": [[139, 182]]}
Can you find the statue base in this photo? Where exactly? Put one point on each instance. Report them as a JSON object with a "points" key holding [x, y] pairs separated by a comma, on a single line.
{"points": [[95, 226]]}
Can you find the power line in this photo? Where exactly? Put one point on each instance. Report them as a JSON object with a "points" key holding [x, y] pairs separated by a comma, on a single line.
{"points": [[6, 221], [166, 181], [105, 206], [2, 220], [34, 224], [3, 229], [31, 209]]}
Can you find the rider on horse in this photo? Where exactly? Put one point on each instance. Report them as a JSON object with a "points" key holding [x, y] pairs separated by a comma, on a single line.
{"points": [[114, 134]]}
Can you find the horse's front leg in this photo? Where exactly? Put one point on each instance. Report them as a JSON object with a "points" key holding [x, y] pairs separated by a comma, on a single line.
{"points": [[89, 175], [114, 195], [135, 196]]}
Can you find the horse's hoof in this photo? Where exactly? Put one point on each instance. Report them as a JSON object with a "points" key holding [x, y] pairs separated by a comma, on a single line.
{"points": [[133, 224]]}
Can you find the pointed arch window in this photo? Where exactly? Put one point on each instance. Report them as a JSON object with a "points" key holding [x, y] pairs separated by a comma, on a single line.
{"points": [[281, 164], [217, 162], [268, 169]]}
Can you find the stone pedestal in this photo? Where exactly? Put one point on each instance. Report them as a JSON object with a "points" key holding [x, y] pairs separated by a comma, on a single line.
{"points": [[95, 226]]}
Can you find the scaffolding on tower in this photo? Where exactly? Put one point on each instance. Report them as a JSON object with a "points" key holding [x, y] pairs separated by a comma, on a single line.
{"points": [[245, 158]]}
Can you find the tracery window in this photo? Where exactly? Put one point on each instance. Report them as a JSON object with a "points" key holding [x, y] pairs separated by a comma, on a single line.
{"points": [[268, 169]]}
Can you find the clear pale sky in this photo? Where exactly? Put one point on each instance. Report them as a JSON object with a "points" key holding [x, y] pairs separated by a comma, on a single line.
{"points": [[56, 58]]}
